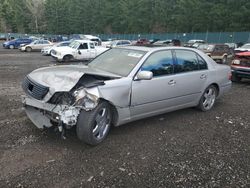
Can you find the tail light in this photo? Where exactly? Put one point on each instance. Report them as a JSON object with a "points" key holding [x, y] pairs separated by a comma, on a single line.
{"points": [[229, 76]]}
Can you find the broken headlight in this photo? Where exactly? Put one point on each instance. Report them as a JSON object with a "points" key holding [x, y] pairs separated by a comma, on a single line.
{"points": [[84, 99]]}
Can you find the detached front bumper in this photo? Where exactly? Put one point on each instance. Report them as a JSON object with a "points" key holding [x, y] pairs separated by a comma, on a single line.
{"points": [[45, 115]]}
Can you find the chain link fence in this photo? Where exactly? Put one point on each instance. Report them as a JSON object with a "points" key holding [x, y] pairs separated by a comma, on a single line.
{"points": [[210, 37]]}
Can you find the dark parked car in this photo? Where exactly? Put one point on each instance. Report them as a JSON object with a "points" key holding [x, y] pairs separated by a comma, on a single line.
{"points": [[218, 52], [241, 66], [16, 43]]}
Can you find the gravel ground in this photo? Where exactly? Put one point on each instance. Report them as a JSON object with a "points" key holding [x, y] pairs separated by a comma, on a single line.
{"points": [[186, 148]]}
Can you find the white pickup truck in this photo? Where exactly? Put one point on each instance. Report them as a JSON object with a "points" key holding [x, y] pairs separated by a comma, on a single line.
{"points": [[77, 50]]}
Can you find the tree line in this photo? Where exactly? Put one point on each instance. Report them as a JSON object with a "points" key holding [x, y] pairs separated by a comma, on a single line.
{"points": [[123, 16]]}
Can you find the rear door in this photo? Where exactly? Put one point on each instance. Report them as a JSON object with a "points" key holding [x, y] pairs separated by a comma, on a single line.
{"points": [[92, 51], [191, 74]]}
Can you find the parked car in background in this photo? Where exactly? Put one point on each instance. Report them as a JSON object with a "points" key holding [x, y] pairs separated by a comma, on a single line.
{"points": [[47, 50], [241, 66], [3, 37], [36, 45], [95, 39], [119, 43], [218, 52], [244, 48], [169, 42], [16, 43], [77, 50], [122, 85], [163, 42], [231, 45], [194, 43], [141, 42]]}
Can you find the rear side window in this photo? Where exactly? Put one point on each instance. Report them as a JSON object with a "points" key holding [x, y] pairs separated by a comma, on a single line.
{"points": [[202, 63], [159, 63], [186, 61], [92, 45]]}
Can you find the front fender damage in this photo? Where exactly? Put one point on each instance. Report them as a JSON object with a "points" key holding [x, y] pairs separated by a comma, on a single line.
{"points": [[45, 115]]}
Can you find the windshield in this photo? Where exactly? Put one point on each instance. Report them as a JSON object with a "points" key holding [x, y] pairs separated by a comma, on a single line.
{"points": [[117, 61], [74, 44], [206, 47], [247, 46], [34, 42]]}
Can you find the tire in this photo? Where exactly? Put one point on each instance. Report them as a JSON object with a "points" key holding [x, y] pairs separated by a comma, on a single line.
{"points": [[224, 60], [28, 49], [67, 58], [11, 46], [93, 126], [235, 78], [208, 98]]}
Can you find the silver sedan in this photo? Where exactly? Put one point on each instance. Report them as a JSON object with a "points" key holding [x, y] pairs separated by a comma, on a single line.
{"points": [[120, 86]]}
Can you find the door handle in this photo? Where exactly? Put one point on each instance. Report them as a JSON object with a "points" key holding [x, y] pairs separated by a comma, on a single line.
{"points": [[171, 82], [203, 76]]}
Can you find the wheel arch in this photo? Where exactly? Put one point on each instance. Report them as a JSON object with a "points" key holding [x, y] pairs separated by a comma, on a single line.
{"points": [[27, 47], [217, 87], [115, 115]]}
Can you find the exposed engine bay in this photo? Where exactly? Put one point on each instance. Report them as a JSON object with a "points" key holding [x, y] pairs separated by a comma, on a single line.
{"points": [[63, 108]]}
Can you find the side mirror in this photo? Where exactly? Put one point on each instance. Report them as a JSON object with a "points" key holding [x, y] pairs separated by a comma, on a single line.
{"points": [[79, 52], [144, 75]]}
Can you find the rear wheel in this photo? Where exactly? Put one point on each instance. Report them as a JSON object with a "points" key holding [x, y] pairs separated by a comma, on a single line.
{"points": [[208, 98], [28, 49], [93, 126]]}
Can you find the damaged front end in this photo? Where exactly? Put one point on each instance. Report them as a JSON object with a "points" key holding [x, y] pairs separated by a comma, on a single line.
{"points": [[63, 108]]}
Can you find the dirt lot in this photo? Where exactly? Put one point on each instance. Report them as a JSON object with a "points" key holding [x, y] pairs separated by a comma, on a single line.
{"points": [[186, 148]]}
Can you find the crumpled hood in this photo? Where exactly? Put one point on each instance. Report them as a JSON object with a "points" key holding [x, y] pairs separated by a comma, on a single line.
{"points": [[64, 78]]}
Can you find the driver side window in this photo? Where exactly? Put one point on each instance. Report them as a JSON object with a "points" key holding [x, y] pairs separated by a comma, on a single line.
{"points": [[159, 63], [83, 46]]}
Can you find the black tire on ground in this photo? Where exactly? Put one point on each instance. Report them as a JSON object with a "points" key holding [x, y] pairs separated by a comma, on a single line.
{"points": [[208, 98], [235, 78], [67, 58], [28, 49], [93, 126]]}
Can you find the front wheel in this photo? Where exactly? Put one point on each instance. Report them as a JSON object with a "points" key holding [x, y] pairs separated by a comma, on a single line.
{"points": [[208, 98], [28, 49], [67, 58], [12, 46], [93, 126]]}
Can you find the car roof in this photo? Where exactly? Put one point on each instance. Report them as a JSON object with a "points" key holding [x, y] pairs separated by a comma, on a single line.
{"points": [[153, 48], [81, 41]]}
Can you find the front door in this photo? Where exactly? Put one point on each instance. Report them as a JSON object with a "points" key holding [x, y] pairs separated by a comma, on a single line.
{"points": [[83, 52]]}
